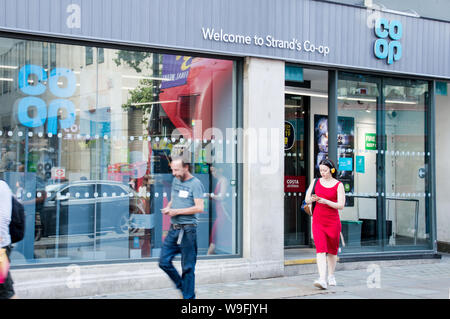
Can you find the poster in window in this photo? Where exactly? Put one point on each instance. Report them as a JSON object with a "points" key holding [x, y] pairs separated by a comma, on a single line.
{"points": [[345, 144]]}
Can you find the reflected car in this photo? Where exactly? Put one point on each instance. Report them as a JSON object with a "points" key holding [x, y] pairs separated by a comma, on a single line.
{"points": [[88, 207]]}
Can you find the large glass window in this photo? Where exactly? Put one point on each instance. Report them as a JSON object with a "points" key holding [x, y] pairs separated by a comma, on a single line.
{"points": [[407, 162], [389, 165], [87, 135]]}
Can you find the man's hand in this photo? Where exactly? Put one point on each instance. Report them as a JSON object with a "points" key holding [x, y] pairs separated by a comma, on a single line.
{"points": [[169, 211], [172, 212]]}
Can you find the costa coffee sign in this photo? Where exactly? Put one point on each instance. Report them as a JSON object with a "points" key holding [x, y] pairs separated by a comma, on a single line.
{"points": [[294, 184]]}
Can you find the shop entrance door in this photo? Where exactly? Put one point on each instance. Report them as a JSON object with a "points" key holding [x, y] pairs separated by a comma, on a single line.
{"points": [[296, 223], [388, 207]]}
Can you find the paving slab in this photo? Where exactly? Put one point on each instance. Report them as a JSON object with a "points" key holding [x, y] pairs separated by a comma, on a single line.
{"points": [[410, 281]]}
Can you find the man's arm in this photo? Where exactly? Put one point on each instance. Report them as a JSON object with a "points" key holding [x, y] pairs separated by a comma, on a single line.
{"points": [[166, 209], [197, 208]]}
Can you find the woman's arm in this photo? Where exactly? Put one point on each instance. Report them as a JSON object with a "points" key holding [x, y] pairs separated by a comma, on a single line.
{"points": [[308, 199], [222, 189]]}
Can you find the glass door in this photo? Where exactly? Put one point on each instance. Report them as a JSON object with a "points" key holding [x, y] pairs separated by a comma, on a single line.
{"points": [[407, 160], [296, 222], [386, 173], [359, 167]]}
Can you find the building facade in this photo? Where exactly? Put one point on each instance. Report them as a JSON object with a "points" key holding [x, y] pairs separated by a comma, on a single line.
{"points": [[96, 96]]}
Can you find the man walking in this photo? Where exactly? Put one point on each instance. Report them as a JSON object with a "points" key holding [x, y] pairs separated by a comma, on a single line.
{"points": [[186, 201], [6, 288]]}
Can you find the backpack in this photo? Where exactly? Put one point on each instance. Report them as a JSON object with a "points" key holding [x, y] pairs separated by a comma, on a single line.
{"points": [[17, 225]]}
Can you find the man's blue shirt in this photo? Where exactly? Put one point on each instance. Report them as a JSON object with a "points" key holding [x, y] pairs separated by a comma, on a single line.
{"points": [[183, 195]]}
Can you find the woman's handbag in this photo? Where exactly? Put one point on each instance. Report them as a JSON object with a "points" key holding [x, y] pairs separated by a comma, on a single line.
{"points": [[306, 208], [309, 208]]}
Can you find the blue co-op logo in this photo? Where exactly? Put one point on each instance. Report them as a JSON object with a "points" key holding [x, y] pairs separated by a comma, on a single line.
{"points": [[385, 30], [32, 100]]}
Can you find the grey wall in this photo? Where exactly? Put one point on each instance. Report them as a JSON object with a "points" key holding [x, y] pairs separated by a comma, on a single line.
{"points": [[263, 185], [434, 9], [347, 31]]}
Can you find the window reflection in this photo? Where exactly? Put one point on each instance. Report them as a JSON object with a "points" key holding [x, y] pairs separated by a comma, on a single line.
{"points": [[86, 138]]}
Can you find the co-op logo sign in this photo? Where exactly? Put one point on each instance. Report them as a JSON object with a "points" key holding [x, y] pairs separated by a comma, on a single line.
{"points": [[33, 100], [388, 45]]}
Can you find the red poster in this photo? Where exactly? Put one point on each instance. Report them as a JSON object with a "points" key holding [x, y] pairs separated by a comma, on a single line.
{"points": [[294, 184]]}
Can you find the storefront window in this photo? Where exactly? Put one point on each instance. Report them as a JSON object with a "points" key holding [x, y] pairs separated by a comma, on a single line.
{"points": [[87, 135], [407, 162], [389, 165]]}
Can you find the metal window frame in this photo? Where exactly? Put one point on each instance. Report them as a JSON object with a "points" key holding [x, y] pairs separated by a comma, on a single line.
{"points": [[429, 147], [239, 62], [333, 77]]}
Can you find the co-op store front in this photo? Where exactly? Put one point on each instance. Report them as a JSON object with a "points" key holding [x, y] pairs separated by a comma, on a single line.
{"points": [[93, 109]]}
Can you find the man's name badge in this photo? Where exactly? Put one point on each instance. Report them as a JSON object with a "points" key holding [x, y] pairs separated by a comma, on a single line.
{"points": [[183, 194]]}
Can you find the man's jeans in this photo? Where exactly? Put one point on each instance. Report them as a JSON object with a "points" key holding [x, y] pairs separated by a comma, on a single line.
{"points": [[188, 250]]}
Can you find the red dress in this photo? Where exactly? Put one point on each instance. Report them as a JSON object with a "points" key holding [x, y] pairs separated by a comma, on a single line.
{"points": [[326, 225], [221, 230]]}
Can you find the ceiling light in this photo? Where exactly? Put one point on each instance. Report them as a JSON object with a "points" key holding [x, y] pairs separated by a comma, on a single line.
{"points": [[305, 92], [362, 99], [402, 102]]}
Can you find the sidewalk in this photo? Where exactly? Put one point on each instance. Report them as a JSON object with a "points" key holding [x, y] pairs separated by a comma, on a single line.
{"points": [[412, 281]]}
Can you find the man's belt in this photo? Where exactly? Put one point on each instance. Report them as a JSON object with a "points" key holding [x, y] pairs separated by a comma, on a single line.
{"points": [[181, 227]]}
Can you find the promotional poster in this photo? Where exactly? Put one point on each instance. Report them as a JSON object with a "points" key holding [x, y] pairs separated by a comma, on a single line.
{"points": [[345, 150]]}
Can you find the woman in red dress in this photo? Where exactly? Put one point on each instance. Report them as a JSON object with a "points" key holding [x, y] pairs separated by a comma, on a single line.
{"points": [[221, 230], [329, 198]]}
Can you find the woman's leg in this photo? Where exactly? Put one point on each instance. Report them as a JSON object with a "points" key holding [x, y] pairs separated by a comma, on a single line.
{"points": [[322, 265], [331, 260]]}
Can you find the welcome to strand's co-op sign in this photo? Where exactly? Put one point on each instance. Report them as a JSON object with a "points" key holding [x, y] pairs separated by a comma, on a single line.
{"points": [[268, 41], [308, 31]]}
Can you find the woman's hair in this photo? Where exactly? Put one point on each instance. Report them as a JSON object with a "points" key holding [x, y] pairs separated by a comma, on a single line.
{"points": [[329, 163]]}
